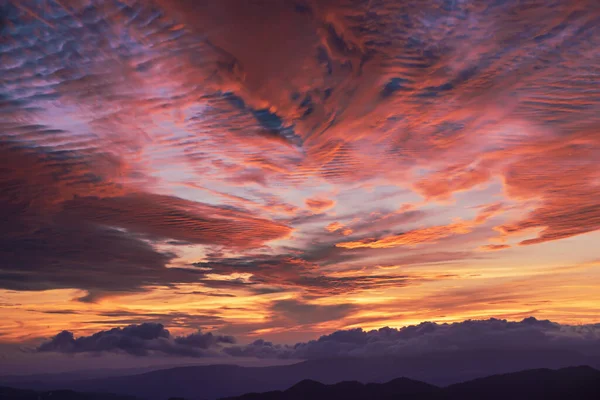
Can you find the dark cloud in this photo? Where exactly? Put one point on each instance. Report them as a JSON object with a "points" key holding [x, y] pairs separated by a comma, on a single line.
{"points": [[63, 211], [429, 337], [261, 348], [291, 272], [65, 312], [273, 124], [169, 217], [425, 338], [171, 319], [211, 294], [138, 340], [303, 313], [46, 250]]}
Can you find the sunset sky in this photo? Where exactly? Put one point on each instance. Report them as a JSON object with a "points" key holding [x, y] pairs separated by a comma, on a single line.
{"points": [[282, 169]]}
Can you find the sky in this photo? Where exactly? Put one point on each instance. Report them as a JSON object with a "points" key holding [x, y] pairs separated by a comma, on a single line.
{"points": [[280, 170]]}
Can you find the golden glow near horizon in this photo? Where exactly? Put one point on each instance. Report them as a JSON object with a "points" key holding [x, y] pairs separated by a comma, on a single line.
{"points": [[565, 294]]}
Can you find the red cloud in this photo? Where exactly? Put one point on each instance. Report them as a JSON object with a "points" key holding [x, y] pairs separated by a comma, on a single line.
{"points": [[169, 217], [424, 235], [337, 226], [318, 204], [494, 247], [563, 177], [411, 238]]}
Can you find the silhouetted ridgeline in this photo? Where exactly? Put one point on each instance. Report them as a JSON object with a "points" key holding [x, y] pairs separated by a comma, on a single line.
{"points": [[581, 383], [216, 381], [24, 394], [577, 383]]}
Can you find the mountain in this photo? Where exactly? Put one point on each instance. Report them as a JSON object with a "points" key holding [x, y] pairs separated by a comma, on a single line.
{"points": [[581, 383], [214, 381], [350, 390], [42, 379], [23, 394], [567, 383]]}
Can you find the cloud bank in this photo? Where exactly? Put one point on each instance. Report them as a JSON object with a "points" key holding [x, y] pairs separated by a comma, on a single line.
{"points": [[425, 338], [138, 340]]}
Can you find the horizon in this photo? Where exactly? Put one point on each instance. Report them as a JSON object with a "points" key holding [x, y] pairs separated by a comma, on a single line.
{"points": [[149, 346], [183, 181]]}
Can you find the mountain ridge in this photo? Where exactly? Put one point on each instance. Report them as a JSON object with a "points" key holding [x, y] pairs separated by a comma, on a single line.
{"points": [[581, 382], [226, 380]]}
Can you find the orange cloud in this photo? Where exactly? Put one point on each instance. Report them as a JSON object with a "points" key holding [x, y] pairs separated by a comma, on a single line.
{"points": [[334, 226], [318, 204], [563, 180], [461, 177], [338, 226], [170, 217], [411, 238], [425, 235], [494, 247], [488, 212]]}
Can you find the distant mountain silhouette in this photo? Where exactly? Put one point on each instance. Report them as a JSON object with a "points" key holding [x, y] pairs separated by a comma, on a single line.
{"points": [[80, 375], [215, 381], [352, 390], [581, 383], [567, 383], [23, 394]]}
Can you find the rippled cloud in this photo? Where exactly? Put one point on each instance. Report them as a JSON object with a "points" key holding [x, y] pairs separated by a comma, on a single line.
{"points": [[298, 157]]}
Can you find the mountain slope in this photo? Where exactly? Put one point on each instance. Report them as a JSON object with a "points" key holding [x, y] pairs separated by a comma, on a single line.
{"points": [[352, 390], [567, 383], [580, 383], [7, 393], [213, 381]]}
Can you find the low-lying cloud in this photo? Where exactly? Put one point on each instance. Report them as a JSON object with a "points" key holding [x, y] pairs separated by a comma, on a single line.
{"points": [[138, 340], [424, 338]]}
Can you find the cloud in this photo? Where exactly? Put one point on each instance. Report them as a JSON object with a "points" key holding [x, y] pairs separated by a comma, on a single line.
{"points": [[566, 207], [385, 221], [138, 340], [169, 217], [456, 178], [381, 222], [424, 235], [410, 238], [494, 247], [334, 226], [425, 338], [304, 313], [292, 273], [318, 204], [261, 348], [429, 337], [63, 211]]}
